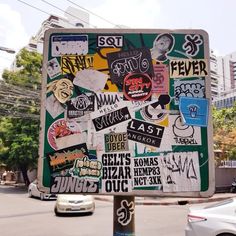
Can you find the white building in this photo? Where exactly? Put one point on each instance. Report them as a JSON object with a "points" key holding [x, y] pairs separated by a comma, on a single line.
{"points": [[74, 18]]}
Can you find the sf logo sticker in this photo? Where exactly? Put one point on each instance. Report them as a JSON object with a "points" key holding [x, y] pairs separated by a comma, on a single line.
{"points": [[125, 212]]}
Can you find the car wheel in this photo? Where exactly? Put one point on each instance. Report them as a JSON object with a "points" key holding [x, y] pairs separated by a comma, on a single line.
{"points": [[226, 234], [30, 193], [41, 197], [56, 211]]}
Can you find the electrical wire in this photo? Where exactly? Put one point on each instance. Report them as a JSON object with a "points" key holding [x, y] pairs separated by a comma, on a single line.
{"points": [[52, 5], [36, 8], [94, 14]]}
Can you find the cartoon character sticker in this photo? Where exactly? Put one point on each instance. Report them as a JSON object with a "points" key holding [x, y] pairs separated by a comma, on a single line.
{"points": [[62, 89], [162, 45]]}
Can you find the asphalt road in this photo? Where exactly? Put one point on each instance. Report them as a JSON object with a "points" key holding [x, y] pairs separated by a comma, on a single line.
{"points": [[23, 216]]}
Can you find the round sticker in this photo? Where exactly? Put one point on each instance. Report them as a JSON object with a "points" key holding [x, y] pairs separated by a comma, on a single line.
{"points": [[137, 87]]}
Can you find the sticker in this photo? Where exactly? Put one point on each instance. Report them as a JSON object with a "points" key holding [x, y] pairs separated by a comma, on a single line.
{"points": [[144, 132], [188, 68], [146, 172], [194, 111], [180, 172], [53, 106], [62, 160], [160, 81], [183, 134], [69, 45], [104, 99], [61, 133], [116, 172], [63, 184], [86, 168], [124, 62], [62, 89], [80, 105], [110, 41], [188, 88], [154, 111], [53, 68], [113, 118], [192, 44], [90, 79], [137, 87], [125, 212], [72, 64], [115, 142], [162, 45]]}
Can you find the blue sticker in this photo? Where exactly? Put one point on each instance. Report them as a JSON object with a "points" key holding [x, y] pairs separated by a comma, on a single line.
{"points": [[194, 111]]}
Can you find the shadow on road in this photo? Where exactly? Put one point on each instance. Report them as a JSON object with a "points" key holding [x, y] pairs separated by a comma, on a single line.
{"points": [[8, 189]]}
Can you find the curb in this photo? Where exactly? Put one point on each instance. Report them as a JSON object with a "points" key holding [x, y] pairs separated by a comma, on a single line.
{"points": [[166, 203]]}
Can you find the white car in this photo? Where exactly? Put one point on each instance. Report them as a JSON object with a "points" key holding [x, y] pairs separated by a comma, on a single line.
{"points": [[74, 203], [218, 219], [33, 191]]}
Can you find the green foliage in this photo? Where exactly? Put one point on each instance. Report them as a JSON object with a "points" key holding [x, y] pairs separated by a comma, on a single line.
{"points": [[19, 137], [224, 130], [28, 73]]}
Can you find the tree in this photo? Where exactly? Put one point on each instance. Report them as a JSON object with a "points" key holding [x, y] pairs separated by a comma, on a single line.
{"points": [[19, 129], [224, 127]]}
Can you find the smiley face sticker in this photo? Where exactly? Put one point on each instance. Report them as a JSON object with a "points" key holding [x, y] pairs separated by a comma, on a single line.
{"points": [[62, 89]]}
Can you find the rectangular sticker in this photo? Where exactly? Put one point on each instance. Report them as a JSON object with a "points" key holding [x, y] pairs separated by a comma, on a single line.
{"points": [[146, 172], [160, 80], [115, 142], [116, 172], [189, 88], [180, 172], [188, 68], [113, 118], [109, 41], [72, 64], [144, 132], [69, 45]]}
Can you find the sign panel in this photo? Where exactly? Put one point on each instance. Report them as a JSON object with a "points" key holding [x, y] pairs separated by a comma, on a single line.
{"points": [[126, 112]]}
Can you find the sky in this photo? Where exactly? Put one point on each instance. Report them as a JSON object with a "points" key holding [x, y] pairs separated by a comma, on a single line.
{"points": [[19, 21]]}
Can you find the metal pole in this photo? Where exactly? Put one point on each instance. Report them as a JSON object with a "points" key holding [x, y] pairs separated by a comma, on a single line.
{"points": [[123, 216]]}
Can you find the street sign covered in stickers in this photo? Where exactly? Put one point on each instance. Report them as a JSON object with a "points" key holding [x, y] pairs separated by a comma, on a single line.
{"points": [[126, 112]]}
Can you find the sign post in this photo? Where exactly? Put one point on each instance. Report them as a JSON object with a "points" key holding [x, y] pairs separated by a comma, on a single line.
{"points": [[126, 112], [124, 216]]}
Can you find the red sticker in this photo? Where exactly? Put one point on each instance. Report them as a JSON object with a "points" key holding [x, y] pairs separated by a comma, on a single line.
{"points": [[137, 87]]}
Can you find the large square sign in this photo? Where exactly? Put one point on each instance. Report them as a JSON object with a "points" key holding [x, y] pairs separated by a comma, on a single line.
{"points": [[126, 112]]}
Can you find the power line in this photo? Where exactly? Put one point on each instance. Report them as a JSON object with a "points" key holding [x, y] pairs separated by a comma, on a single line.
{"points": [[94, 14], [52, 5], [42, 11]]}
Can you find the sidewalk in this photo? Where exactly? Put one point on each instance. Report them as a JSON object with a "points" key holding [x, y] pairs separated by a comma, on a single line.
{"points": [[152, 200], [171, 200]]}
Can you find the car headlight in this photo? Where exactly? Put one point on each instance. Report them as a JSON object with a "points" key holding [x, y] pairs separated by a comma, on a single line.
{"points": [[87, 200]]}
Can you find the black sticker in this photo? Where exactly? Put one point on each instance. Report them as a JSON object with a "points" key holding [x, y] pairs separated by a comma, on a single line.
{"points": [[133, 61], [112, 118], [80, 105], [144, 132], [62, 160]]}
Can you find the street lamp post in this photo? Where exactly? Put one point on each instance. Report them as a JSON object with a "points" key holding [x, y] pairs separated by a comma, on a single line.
{"points": [[9, 50]]}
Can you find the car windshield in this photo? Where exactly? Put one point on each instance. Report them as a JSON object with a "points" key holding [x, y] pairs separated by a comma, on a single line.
{"points": [[221, 203]]}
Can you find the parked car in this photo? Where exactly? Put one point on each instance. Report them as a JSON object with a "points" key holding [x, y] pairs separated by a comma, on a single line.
{"points": [[33, 191], [74, 203], [218, 219]]}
